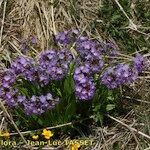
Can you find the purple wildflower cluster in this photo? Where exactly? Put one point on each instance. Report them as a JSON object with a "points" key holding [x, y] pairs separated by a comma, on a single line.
{"points": [[122, 74], [6, 90], [84, 83], [91, 64], [90, 61], [51, 65], [8, 78], [67, 37], [119, 75], [140, 63], [38, 104], [90, 54], [54, 65], [13, 97], [24, 67]]}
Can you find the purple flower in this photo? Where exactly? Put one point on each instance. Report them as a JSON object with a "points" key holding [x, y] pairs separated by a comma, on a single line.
{"points": [[42, 98], [90, 54], [24, 46], [63, 38], [21, 99], [11, 97], [67, 37], [8, 79], [34, 40], [140, 63], [82, 73], [33, 98], [49, 96], [43, 77]]}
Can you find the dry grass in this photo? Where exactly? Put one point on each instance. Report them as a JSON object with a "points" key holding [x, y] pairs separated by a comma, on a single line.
{"points": [[19, 19]]}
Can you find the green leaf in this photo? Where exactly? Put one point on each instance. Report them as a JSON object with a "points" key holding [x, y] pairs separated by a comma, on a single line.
{"points": [[68, 86], [24, 91], [96, 108], [110, 107], [115, 17], [100, 118], [70, 110], [59, 92], [40, 121]]}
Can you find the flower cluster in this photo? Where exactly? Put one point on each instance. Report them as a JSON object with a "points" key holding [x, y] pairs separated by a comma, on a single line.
{"points": [[88, 48], [51, 65], [90, 61], [6, 90], [140, 63], [121, 74], [90, 54], [67, 37], [38, 104], [84, 83], [8, 79], [54, 65], [124, 73], [13, 97], [24, 67], [10, 96]]}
